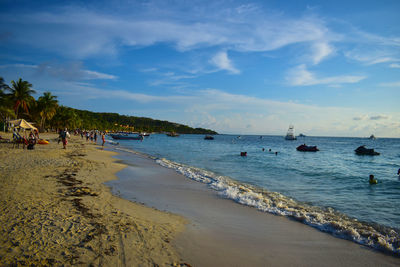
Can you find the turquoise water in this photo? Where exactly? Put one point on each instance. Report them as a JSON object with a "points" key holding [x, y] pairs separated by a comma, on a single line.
{"points": [[328, 189]]}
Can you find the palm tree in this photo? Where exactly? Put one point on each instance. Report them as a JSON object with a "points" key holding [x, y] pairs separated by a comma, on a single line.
{"points": [[5, 104], [47, 105], [21, 95], [66, 117]]}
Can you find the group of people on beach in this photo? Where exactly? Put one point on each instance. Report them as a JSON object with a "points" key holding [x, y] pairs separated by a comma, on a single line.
{"points": [[29, 141], [63, 135], [91, 135]]}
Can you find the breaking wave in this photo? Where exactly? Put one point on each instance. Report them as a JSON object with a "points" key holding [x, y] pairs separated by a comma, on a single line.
{"points": [[325, 219]]}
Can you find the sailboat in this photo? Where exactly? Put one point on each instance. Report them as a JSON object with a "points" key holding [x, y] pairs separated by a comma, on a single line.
{"points": [[290, 133]]}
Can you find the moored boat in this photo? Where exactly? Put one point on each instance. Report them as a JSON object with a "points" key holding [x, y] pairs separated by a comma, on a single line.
{"points": [[362, 150], [209, 137], [290, 133]]}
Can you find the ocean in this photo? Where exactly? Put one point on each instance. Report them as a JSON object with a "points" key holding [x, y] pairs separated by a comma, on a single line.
{"points": [[327, 190]]}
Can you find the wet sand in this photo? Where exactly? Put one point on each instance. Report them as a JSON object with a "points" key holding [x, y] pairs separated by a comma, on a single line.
{"points": [[56, 211], [224, 233]]}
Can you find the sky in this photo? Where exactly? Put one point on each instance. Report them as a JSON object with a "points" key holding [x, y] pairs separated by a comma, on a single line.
{"points": [[330, 68]]}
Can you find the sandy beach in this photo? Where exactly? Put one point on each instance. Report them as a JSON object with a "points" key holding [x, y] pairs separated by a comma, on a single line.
{"points": [[55, 210]]}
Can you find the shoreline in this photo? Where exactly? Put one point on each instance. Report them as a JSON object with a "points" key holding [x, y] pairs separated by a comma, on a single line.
{"points": [[56, 210], [232, 234]]}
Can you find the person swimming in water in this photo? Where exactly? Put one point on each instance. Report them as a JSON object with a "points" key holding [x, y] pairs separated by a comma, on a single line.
{"points": [[372, 180]]}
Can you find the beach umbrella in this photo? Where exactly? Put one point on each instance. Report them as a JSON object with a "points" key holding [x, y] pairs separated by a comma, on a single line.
{"points": [[21, 123]]}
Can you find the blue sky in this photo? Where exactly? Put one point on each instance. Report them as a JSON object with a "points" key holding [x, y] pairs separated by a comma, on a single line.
{"points": [[331, 68]]}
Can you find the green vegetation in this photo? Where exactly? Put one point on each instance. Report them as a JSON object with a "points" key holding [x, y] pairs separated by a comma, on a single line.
{"points": [[16, 102]]}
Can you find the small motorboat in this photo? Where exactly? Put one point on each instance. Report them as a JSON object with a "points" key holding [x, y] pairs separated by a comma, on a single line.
{"points": [[305, 148], [362, 150], [209, 137], [126, 137]]}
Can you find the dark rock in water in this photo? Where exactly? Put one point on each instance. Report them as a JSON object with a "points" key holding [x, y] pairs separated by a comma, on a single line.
{"points": [[243, 154], [362, 150]]}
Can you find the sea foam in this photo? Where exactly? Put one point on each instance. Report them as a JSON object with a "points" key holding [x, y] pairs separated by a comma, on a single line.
{"points": [[325, 219]]}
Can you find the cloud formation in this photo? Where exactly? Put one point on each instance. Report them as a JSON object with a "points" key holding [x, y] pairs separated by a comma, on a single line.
{"points": [[373, 117], [72, 71], [301, 76], [80, 32], [222, 61], [321, 51], [391, 84], [154, 58]]}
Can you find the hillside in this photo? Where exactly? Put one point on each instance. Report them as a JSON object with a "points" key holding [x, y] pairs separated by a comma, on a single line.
{"points": [[115, 122]]}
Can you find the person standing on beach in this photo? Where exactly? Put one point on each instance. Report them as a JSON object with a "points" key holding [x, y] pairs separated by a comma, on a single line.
{"points": [[64, 136], [103, 139]]}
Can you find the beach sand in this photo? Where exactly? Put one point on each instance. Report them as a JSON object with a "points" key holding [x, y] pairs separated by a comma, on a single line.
{"points": [[55, 210]]}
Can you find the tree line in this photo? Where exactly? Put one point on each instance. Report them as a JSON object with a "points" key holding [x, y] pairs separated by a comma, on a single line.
{"points": [[17, 102]]}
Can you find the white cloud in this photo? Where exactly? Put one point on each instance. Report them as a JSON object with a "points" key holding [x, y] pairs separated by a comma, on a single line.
{"points": [[218, 110], [81, 33], [391, 84], [321, 51], [301, 76], [233, 113], [395, 65], [366, 117], [97, 75], [222, 61], [371, 57], [68, 71], [18, 66]]}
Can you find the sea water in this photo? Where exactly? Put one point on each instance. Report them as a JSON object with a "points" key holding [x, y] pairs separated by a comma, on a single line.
{"points": [[328, 189]]}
